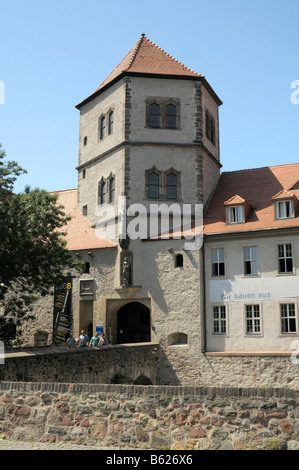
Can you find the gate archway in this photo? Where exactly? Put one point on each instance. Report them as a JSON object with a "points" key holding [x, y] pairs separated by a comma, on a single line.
{"points": [[133, 323]]}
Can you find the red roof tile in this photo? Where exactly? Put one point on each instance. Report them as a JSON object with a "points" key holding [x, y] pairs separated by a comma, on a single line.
{"points": [[146, 58], [79, 233], [257, 187]]}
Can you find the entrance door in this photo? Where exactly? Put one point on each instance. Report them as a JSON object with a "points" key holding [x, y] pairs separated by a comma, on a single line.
{"points": [[133, 323]]}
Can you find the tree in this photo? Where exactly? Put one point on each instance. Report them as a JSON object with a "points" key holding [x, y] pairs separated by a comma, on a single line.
{"points": [[33, 254]]}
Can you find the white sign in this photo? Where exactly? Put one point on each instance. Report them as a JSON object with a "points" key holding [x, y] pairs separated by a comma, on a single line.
{"points": [[234, 290]]}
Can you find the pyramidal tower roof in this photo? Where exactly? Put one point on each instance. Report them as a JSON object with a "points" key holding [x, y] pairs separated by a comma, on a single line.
{"points": [[146, 59]]}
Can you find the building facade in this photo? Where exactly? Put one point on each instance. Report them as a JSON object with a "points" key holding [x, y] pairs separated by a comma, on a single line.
{"points": [[149, 149]]}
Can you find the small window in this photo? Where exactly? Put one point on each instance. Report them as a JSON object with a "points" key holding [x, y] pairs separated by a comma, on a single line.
{"points": [[284, 209], [154, 115], [154, 185], [102, 193], [288, 318], [171, 188], [170, 116], [250, 260], [84, 173], [110, 122], [87, 268], [285, 258], [253, 321], [102, 127], [85, 140], [219, 319], [235, 214], [84, 210], [210, 127], [111, 189], [179, 261], [218, 265]]}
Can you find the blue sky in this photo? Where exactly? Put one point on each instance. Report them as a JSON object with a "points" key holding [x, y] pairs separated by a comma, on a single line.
{"points": [[54, 54]]}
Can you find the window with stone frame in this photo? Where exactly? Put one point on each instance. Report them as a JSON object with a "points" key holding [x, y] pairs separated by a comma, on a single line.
{"points": [[210, 127], [110, 122], [154, 115], [102, 129], [102, 191], [162, 113]]}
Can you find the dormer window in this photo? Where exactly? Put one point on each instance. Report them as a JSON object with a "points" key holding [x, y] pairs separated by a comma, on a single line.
{"points": [[235, 215], [237, 210], [284, 203], [285, 209]]}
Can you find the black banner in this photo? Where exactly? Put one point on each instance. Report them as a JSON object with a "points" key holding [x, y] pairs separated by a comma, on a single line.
{"points": [[62, 311]]}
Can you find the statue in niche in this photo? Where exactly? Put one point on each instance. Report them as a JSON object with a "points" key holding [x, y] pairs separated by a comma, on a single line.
{"points": [[126, 272]]}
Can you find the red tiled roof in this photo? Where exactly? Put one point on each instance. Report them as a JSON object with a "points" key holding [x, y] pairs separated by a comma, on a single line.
{"points": [[257, 187], [146, 58], [79, 233]]}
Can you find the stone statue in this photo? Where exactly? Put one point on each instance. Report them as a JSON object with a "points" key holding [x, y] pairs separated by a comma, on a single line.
{"points": [[126, 273]]}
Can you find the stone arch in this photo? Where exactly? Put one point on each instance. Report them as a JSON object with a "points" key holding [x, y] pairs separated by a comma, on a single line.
{"points": [[133, 323], [142, 380], [177, 338]]}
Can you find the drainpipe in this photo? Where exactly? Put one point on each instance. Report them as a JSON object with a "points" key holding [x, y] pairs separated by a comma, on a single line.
{"points": [[203, 317]]}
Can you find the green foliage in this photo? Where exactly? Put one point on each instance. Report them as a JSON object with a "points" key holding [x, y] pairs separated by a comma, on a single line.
{"points": [[33, 254]]}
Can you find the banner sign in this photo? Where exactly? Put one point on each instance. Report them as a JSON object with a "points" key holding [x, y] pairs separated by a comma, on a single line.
{"points": [[234, 290], [62, 311]]}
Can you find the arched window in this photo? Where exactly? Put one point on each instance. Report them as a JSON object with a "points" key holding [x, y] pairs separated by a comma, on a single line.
{"points": [[102, 192], [153, 185], [154, 115], [112, 189], [171, 186], [170, 116], [102, 127], [110, 122]]}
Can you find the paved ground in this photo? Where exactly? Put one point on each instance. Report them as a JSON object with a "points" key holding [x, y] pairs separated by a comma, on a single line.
{"points": [[7, 444]]}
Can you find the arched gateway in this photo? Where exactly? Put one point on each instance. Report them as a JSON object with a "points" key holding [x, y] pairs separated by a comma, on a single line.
{"points": [[133, 323]]}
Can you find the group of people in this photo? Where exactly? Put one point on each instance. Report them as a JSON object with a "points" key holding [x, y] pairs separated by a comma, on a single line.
{"points": [[83, 340]]}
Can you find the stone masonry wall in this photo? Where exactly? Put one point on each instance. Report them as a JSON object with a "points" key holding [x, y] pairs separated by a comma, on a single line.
{"points": [[150, 417], [106, 364]]}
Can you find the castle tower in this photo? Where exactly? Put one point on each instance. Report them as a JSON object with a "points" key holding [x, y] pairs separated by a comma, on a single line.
{"points": [[150, 135]]}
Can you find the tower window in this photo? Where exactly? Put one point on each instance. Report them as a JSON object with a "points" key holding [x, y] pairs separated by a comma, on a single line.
{"points": [[102, 127], [171, 189], [85, 140], [84, 173], [170, 116], [154, 185], [112, 189], [84, 210], [210, 127], [110, 122], [102, 193], [154, 115]]}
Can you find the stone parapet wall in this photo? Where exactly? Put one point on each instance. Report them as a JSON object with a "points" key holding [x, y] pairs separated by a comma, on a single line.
{"points": [[150, 417], [105, 364]]}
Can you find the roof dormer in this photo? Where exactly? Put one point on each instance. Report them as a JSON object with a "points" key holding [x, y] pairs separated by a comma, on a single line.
{"points": [[237, 209], [285, 205]]}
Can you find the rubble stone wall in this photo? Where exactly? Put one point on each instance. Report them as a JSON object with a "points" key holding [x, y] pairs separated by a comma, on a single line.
{"points": [[150, 417]]}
